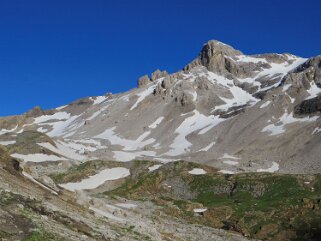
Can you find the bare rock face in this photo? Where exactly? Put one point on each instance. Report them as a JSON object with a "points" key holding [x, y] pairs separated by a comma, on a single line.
{"points": [[214, 57], [35, 112], [158, 74], [307, 74], [224, 60], [143, 81], [310, 106]]}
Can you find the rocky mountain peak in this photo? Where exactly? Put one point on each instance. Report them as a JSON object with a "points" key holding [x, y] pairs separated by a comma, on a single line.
{"points": [[145, 80], [214, 47], [35, 112]]}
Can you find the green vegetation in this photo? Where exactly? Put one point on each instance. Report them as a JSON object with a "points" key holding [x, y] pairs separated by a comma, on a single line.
{"points": [[42, 235], [260, 205]]}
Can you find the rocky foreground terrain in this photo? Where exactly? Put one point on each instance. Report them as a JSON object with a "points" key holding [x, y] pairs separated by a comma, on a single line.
{"points": [[225, 149]]}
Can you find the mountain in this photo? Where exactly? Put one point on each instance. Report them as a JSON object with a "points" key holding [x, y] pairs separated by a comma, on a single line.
{"points": [[225, 149], [262, 111]]}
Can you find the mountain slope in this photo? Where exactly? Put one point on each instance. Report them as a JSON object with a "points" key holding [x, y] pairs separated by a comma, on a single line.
{"points": [[226, 109]]}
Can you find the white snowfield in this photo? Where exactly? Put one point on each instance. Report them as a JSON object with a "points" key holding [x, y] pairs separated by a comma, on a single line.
{"points": [[209, 146], [286, 119], [38, 157], [95, 181], [4, 131], [128, 145], [196, 122], [314, 91], [232, 163], [240, 96], [143, 94], [199, 210], [197, 171], [226, 172], [273, 168], [154, 167], [98, 99], [63, 150], [250, 59], [266, 104], [62, 123], [6, 143], [156, 123]]}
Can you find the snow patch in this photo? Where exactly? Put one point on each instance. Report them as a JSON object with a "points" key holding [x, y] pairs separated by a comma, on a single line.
{"points": [[273, 168], [314, 91], [154, 167], [226, 172], [199, 210], [208, 147], [191, 124], [232, 163], [265, 104], [279, 127], [38, 157], [63, 150], [129, 145], [95, 181], [197, 171], [156, 123], [6, 143]]}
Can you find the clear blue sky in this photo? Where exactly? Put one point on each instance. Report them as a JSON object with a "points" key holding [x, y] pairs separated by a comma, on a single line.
{"points": [[53, 52]]}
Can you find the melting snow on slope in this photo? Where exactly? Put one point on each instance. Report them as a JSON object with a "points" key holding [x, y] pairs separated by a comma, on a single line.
{"points": [[273, 168], [316, 130], [61, 127], [240, 96], [129, 145], [95, 181], [38, 157], [197, 171], [193, 123], [129, 156], [314, 91], [208, 147], [142, 95], [227, 156], [156, 123], [285, 119], [280, 70], [154, 167], [232, 163], [63, 150], [4, 131], [250, 59], [265, 104], [6, 143], [199, 210], [56, 116], [226, 172], [99, 99]]}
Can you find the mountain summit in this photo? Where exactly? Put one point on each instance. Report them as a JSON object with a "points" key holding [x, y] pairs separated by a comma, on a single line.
{"points": [[235, 112]]}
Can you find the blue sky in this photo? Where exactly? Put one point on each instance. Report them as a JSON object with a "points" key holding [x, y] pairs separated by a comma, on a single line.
{"points": [[53, 52]]}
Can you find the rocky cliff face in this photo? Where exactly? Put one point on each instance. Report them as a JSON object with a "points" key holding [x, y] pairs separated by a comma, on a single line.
{"points": [[230, 110]]}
